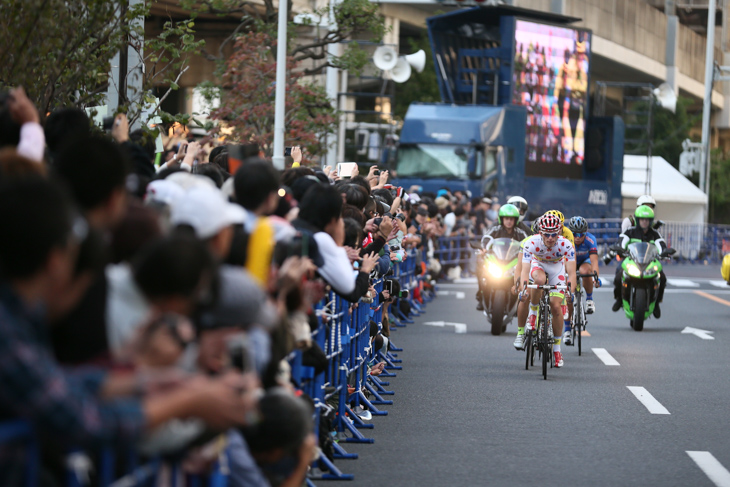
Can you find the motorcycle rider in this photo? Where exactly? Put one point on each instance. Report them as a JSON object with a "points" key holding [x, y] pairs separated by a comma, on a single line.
{"points": [[521, 204], [643, 232], [508, 217], [643, 200]]}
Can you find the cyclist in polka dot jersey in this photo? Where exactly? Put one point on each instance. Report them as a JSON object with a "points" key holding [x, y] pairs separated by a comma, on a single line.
{"points": [[546, 258]]}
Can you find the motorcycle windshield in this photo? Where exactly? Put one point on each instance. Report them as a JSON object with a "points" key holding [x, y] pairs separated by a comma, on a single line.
{"points": [[643, 252], [505, 249]]}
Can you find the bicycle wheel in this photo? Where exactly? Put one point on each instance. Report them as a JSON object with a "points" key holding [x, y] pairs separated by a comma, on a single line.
{"points": [[528, 349], [544, 341], [578, 320]]}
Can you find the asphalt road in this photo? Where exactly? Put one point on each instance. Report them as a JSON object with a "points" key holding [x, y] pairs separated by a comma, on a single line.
{"points": [[467, 413]]}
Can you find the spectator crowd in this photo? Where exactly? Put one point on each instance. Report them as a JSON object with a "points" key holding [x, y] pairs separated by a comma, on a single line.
{"points": [[154, 307]]}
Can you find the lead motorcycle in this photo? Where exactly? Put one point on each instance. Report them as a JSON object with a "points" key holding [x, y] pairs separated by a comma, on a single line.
{"points": [[499, 261], [642, 266]]}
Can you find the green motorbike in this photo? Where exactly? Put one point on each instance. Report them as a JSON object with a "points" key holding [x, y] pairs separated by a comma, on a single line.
{"points": [[500, 260], [641, 264]]}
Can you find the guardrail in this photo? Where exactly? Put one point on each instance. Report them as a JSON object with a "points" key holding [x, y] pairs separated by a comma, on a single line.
{"points": [[343, 333]]}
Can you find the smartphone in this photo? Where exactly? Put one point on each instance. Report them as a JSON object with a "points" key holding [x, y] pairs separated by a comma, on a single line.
{"points": [[107, 123], [344, 169], [388, 286], [240, 354], [287, 151], [376, 172]]}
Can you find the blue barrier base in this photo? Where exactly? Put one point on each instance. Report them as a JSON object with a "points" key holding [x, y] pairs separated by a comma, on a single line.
{"points": [[373, 410], [379, 385], [340, 453], [333, 474], [357, 437], [378, 399], [388, 362]]}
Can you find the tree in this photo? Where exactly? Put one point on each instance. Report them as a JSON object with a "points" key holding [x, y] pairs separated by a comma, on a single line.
{"points": [[61, 51], [247, 98], [719, 188]]}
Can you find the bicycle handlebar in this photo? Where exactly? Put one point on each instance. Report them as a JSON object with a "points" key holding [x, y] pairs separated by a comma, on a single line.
{"points": [[548, 287]]}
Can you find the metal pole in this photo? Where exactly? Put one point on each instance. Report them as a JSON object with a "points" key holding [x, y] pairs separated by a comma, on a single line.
{"points": [[279, 128], [706, 109]]}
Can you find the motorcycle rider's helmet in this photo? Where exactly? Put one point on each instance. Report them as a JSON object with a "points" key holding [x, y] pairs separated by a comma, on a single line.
{"points": [[557, 214], [578, 224], [644, 212], [646, 200], [550, 223], [508, 210], [520, 203]]}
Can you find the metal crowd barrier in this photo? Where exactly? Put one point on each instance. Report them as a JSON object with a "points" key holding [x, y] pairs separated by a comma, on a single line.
{"points": [[345, 386], [694, 242], [343, 333]]}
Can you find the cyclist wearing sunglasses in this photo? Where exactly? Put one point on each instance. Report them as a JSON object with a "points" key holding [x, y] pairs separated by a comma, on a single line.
{"points": [[546, 258]]}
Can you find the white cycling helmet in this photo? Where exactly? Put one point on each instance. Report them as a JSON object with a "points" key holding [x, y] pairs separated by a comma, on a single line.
{"points": [[645, 200], [520, 203]]}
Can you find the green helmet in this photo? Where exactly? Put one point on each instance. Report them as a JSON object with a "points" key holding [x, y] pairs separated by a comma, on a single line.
{"points": [[644, 212], [508, 211]]}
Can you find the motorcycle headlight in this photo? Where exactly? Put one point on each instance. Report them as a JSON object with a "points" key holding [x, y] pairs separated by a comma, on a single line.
{"points": [[633, 270], [495, 270]]}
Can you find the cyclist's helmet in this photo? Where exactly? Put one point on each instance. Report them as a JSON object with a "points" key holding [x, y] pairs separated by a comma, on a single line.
{"points": [[508, 211], [578, 224], [550, 223], [521, 205], [645, 200], [644, 212], [557, 214], [535, 227]]}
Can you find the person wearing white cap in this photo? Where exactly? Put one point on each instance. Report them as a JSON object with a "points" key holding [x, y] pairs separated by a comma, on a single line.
{"points": [[210, 215]]}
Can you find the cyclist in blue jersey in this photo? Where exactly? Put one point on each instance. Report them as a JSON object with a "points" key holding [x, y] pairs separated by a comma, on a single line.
{"points": [[586, 257]]}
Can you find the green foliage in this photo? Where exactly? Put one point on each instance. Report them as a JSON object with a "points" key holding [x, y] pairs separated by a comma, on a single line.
{"points": [[61, 51], [421, 86], [671, 129], [246, 113], [719, 188]]}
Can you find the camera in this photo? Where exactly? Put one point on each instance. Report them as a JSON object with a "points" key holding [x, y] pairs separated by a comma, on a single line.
{"points": [[378, 221], [376, 172], [401, 217], [287, 151], [108, 123]]}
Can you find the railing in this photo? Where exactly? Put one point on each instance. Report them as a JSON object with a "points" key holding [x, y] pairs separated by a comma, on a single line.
{"points": [[343, 333]]}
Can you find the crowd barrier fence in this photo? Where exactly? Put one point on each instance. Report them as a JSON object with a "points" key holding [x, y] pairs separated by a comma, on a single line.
{"points": [[345, 386]]}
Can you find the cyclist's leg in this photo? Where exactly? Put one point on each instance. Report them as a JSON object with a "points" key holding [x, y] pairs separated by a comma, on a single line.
{"points": [[585, 268], [539, 277]]}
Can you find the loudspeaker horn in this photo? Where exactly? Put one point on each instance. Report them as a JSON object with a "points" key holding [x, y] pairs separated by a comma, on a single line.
{"points": [[417, 60], [666, 97], [401, 72], [385, 58]]}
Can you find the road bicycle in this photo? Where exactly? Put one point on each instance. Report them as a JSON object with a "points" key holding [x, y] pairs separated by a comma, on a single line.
{"points": [[540, 340], [579, 322]]}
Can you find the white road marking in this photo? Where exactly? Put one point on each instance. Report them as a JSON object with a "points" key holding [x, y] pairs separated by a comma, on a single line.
{"points": [[654, 406], [605, 281], [682, 283], [458, 327], [712, 468], [721, 284], [605, 357], [458, 294], [704, 334]]}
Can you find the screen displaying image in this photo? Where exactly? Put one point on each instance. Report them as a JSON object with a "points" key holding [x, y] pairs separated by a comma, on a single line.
{"points": [[551, 67]]}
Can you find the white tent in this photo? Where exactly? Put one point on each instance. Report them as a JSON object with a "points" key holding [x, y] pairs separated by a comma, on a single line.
{"points": [[678, 200]]}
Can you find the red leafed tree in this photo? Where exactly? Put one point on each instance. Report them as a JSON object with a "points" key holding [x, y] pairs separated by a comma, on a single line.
{"points": [[248, 94]]}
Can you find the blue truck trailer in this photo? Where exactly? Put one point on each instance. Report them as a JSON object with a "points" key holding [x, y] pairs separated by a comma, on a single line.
{"points": [[515, 116]]}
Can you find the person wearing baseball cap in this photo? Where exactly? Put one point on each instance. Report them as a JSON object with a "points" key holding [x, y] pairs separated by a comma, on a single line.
{"points": [[211, 217]]}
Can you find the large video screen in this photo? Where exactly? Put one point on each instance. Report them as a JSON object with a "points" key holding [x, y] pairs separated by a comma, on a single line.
{"points": [[551, 66]]}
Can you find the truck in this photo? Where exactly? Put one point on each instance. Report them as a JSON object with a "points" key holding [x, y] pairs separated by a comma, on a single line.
{"points": [[514, 117]]}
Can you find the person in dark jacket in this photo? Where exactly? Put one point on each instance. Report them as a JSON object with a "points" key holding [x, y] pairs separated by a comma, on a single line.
{"points": [[642, 232], [508, 217]]}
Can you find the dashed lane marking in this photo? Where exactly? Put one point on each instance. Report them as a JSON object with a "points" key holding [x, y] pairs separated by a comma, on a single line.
{"points": [[605, 357], [712, 468], [654, 406]]}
